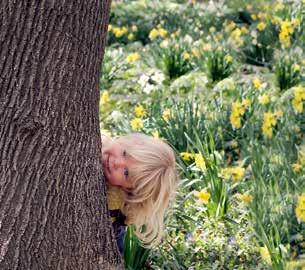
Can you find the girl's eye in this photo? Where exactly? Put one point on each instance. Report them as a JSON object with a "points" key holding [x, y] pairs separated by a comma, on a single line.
{"points": [[124, 153], [126, 172]]}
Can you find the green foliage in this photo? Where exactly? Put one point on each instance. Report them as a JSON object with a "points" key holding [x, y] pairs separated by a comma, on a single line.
{"points": [[219, 64], [234, 116], [259, 47], [135, 255], [174, 59], [185, 119], [288, 72]]}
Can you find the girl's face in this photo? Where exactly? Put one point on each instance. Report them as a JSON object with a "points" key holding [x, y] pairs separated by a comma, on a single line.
{"points": [[116, 164]]}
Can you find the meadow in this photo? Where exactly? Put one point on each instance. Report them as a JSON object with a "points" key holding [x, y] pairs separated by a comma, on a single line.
{"points": [[224, 83]]}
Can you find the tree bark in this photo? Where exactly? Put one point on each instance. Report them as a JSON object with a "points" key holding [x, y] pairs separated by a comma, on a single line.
{"points": [[53, 210]]}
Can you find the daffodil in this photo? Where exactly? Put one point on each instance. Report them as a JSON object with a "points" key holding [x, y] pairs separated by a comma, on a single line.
{"points": [[279, 6], [208, 47], [105, 97], [297, 167], [203, 196], [244, 197], [134, 28], [254, 17], [264, 99], [235, 121], [132, 57], [262, 15], [166, 114], [286, 30], [299, 97], [199, 162], [234, 173], [261, 26], [278, 114], [186, 156], [257, 83], [186, 56], [299, 93], [228, 59], [300, 208], [298, 106], [269, 122], [136, 124], [119, 32], [130, 36], [238, 110], [153, 34], [212, 29], [244, 30], [229, 26], [139, 111], [162, 32], [236, 37], [301, 155], [246, 103], [237, 173], [164, 43], [195, 52], [265, 254], [296, 68]]}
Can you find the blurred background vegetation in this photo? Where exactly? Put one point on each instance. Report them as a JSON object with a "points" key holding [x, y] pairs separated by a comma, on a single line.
{"points": [[224, 83]]}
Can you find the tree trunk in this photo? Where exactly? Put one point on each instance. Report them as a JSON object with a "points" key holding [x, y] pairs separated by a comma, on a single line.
{"points": [[53, 211]]}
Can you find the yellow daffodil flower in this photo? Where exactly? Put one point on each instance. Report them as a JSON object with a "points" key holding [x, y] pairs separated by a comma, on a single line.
{"points": [[166, 114], [269, 122], [264, 99], [203, 196], [261, 26], [199, 162], [265, 254], [105, 97], [139, 111], [186, 56], [134, 28], [236, 173], [136, 124], [153, 34], [300, 208], [195, 52], [244, 197], [132, 57], [186, 156], [297, 167], [257, 83], [228, 58]]}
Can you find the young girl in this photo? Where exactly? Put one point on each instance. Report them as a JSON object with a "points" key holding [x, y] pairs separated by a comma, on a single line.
{"points": [[141, 179]]}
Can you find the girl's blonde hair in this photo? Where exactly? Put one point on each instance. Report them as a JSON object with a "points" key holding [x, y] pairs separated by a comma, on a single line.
{"points": [[154, 181]]}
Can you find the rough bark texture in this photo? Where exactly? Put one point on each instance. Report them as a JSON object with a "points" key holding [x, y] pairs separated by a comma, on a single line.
{"points": [[53, 212]]}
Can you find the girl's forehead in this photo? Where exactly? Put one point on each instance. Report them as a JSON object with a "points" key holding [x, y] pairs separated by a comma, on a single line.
{"points": [[122, 145], [129, 143]]}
